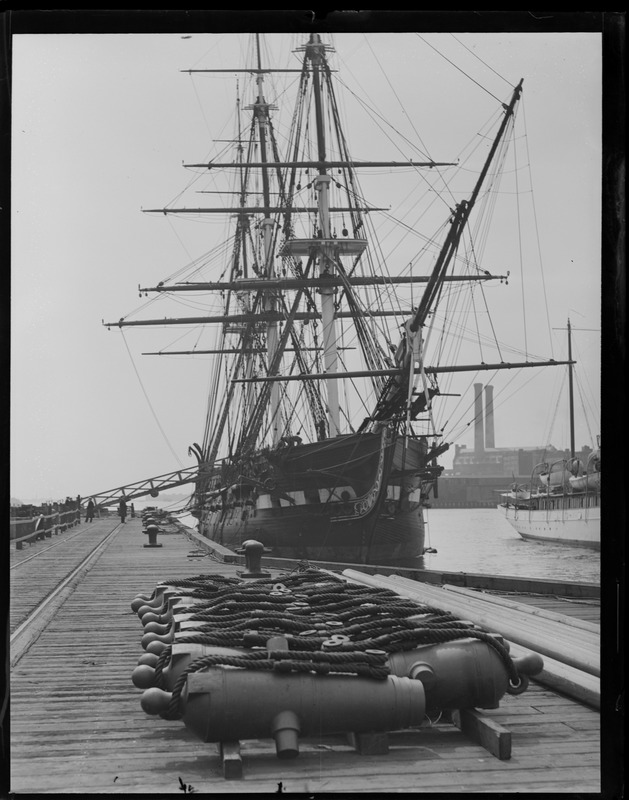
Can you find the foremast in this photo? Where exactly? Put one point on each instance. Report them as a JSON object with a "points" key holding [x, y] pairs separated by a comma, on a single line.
{"points": [[261, 115], [315, 52]]}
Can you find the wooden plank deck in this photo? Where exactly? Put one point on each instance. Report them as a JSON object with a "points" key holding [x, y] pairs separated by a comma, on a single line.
{"points": [[77, 725], [40, 565], [587, 610]]}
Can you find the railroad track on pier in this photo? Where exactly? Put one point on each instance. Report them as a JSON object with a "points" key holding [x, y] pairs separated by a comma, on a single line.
{"points": [[41, 581], [21, 559]]}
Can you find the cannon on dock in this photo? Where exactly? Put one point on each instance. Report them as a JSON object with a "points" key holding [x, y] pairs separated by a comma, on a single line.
{"points": [[315, 654]]}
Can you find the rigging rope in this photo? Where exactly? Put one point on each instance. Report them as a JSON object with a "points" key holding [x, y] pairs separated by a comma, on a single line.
{"points": [[515, 156], [537, 239], [484, 63], [459, 68], [585, 415], [557, 403], [150, 405]]}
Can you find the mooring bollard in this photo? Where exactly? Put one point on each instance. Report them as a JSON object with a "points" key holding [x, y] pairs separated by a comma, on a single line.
{"points": [[253, 556], [152, 531]]}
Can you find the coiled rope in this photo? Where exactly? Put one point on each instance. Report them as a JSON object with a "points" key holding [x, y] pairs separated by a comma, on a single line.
{"points": [[329, 625]]}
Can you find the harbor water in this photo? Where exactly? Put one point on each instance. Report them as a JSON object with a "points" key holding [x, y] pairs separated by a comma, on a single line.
{"points": [[481, 540]]}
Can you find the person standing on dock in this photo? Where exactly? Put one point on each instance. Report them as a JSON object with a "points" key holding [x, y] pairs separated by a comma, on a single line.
{"points": [[122, 509], [132, 510], [89, 511]]}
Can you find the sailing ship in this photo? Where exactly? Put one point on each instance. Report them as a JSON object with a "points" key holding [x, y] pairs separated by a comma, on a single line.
{"points": [[320, 440], [563, 502]]}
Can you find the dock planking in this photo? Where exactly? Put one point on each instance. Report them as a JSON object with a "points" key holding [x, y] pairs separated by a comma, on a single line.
{"points": [[42, 564], [587, 610], [77, 725]]}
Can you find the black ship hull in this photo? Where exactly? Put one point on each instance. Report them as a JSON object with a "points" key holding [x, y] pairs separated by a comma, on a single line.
{"points": [[356, 499], [313, 536]]}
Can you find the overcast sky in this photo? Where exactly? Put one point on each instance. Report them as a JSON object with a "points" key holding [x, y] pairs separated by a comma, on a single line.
{"points": [[101, 127]]}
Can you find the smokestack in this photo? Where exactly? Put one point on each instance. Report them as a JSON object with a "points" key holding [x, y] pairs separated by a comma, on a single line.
{"points": [[478, 418], [489, 417]]}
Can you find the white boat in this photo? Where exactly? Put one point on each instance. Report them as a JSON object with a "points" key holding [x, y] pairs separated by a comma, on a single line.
{"points": [[517, 493], [566, 507], [565, 515]]}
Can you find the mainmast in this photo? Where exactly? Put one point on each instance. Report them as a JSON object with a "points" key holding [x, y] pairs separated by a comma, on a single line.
{"points": [[315, 51], [257, 307], [243, 229], [261, 114]]}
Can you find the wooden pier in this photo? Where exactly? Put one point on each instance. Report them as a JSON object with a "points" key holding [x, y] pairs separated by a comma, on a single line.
{"points": [[77, 725]]}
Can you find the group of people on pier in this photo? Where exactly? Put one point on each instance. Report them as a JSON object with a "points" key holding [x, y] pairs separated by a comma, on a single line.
{"points": [[92, 510]]}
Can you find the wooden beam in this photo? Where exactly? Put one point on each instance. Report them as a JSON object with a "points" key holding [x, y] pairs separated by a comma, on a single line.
{"points": [[484, 731], [231, 760], [369, 744]]}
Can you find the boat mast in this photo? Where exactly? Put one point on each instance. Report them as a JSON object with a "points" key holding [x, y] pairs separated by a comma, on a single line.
{"points": [[322, 248], [315, 52], [570, 390], [260, 110], [243, 231]]}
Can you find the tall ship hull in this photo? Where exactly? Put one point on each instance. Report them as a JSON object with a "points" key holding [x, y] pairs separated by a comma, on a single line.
{"points": [[355, 498]]}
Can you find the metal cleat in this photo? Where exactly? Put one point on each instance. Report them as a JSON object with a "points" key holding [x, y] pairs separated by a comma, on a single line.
{"points": [[253, 551], [152, 531]]}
